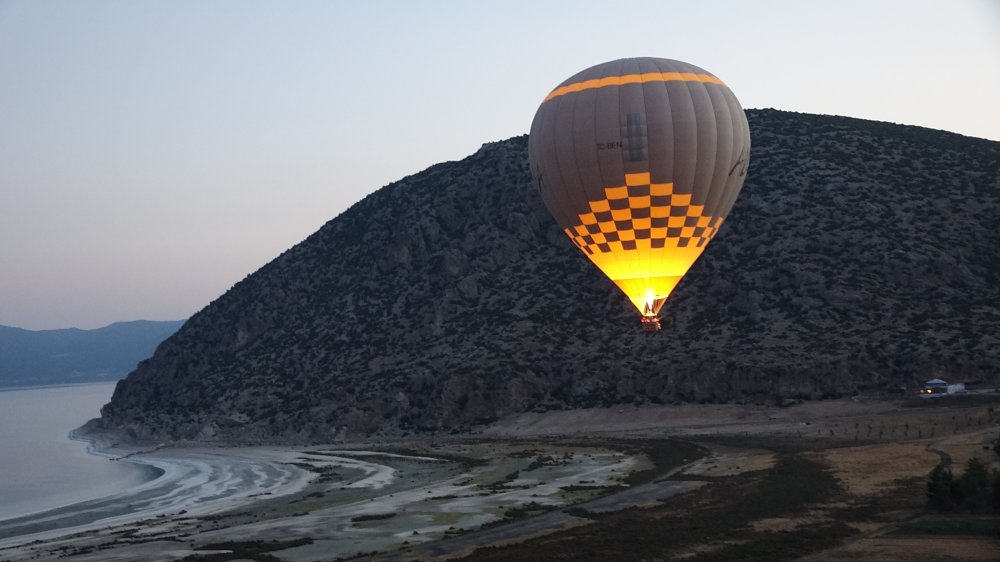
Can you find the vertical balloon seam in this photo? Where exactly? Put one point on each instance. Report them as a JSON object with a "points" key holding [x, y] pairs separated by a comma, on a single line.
{"points": [[713, 193], [542, 143], [715, 132], [596, 156], [639, 270], [619, 258], [570, 166], [740, 143], [731, 153], [570, 211], [743, 144], [568, 163], [731, 186], [715, 167], [560, 183], [694, 178], [579, 188], [649, 169], [641, 253], [654, 256], [700, 126], [629, 268], [694, 175], [645, 270], [616, 257], [673, 143], [747, 145]]}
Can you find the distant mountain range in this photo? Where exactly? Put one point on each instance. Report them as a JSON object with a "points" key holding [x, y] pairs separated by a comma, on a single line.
{"points": [[45, 357], [860, 257]]}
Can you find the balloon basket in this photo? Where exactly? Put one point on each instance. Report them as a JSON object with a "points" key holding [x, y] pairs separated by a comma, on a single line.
{"points": [[650, 324]]}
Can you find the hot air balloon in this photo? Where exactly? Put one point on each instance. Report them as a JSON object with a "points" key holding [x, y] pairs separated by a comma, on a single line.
{"points": [[639, 161]]}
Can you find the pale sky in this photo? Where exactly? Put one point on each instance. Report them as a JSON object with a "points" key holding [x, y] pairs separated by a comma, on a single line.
{"points": [[152, 154]]}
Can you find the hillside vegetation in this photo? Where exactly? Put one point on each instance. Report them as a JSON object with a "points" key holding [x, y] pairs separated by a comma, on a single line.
{"points": [[860, 256]]}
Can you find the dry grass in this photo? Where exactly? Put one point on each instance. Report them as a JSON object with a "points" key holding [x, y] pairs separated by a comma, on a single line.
{"points": [[870, 469], [964, 446]]}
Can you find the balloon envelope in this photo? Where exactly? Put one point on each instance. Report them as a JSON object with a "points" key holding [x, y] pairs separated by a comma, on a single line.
{"points": [[639, 160]]}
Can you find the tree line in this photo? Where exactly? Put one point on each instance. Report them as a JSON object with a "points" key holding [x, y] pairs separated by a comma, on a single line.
{"points": [[977, 489]]}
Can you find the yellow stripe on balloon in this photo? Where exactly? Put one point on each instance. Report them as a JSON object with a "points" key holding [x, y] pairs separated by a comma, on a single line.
{"points": [[633, 79]]}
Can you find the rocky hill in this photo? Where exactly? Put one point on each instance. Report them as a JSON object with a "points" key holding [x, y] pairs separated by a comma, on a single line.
{"points": [[861, 256], [44, 357]]}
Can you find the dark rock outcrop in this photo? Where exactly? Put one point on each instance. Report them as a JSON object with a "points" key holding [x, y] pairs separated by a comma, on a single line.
{"points": [[860, 256]]}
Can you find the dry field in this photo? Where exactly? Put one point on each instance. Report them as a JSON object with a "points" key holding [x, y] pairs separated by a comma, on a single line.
{"points": [[823, 481]]}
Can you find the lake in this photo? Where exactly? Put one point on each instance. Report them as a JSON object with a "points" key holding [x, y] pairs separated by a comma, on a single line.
{"points": [[40, 467]]}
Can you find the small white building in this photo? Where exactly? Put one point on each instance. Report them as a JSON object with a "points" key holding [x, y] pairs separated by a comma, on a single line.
{"points": [[940, 387]]}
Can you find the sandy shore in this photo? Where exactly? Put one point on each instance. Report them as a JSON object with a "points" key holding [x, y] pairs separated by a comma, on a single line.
{"points": [[344, 500], [191, 481]]}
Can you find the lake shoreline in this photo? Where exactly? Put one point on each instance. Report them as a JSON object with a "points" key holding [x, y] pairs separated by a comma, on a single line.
{"points": [[336, 495], [196, 480], [99, 445], [43, 467]]}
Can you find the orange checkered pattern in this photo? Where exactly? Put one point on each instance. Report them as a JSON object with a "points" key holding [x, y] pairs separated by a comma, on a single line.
{"points": [[641, 215]]}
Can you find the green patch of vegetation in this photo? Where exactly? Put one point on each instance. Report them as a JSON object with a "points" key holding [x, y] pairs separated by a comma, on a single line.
{"points": [[248, 550]]}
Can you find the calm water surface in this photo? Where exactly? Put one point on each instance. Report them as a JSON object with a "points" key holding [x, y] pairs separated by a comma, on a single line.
{"points": [[40, 467]]}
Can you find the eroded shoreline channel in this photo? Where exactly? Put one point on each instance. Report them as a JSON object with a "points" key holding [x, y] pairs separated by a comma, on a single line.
{"points": [[327, 502]]}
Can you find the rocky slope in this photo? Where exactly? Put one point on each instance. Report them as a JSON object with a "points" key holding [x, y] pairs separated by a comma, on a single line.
{"points": [[41, 357], [860, 256]]}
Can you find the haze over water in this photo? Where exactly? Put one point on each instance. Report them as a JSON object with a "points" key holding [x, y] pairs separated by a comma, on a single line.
{"points": [[40, 467]]}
